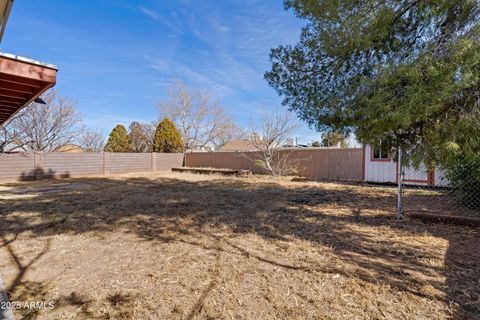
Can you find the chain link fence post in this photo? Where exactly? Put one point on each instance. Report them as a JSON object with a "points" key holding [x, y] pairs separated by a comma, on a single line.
{"points": [[400, 183]]}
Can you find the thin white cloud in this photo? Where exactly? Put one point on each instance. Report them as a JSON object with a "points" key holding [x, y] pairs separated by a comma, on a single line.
{"points": [[237, 46], [226, 51], [181, 71], [170, 21], [152, 14]]}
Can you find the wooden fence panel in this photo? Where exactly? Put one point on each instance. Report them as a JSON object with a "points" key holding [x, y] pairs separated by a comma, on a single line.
{"points": [[343, 164], [346, 164]]}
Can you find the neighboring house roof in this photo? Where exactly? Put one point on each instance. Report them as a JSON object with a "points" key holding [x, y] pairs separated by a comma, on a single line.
{"points": [[70, 148], [238, 145]]}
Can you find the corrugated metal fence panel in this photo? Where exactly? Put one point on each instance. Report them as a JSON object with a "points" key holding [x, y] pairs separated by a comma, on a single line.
{"points": [[17, 166], [345, 164], [167, 161], [129, 162], [60, 164]]}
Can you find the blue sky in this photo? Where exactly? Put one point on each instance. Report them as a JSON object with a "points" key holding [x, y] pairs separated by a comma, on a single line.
{"points": [[117, 58]]}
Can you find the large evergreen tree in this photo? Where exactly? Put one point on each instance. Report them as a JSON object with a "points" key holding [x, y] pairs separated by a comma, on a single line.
{"points": [[118, 140], [167, 138], [404, 72]]}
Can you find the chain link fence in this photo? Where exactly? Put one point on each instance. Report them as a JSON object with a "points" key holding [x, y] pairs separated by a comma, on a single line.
{"points": [[454, 191]]}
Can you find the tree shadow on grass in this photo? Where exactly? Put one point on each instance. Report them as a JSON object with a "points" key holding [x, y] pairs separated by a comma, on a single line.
{"points": [[25, 292], [342, 218], [40, 174]]}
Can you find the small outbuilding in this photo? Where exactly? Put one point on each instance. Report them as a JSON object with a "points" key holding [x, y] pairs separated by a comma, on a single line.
{"points": [[379, 166]]}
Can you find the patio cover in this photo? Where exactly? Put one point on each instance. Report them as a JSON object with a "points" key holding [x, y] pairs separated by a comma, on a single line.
{"points": [[22, 80]]}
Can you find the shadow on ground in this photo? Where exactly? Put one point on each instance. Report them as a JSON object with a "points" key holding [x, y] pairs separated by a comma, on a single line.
{"points": [[156, 209]]}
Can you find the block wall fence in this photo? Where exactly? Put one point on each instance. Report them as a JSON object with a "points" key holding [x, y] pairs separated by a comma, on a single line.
{"points": [[39, 165]]}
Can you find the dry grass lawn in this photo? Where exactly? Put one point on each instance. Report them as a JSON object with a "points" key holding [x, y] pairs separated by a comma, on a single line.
{"points": [[178, 246]]}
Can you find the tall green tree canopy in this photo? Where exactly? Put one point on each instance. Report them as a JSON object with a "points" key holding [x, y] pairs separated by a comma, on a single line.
{"points": [[118, 140], [167, 138], [402, 71]]}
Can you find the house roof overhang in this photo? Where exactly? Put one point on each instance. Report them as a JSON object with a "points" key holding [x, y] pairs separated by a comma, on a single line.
{"points": [[5, 8], [22, 80]]}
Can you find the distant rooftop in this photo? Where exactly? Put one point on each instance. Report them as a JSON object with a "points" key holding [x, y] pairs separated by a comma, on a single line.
{"points": [[238, 145]]}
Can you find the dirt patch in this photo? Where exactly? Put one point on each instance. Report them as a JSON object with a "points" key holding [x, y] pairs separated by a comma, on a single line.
{"points": [[182, 246]]}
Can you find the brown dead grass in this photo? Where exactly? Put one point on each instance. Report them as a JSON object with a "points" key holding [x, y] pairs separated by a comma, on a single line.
{"points": [[181, 246]]}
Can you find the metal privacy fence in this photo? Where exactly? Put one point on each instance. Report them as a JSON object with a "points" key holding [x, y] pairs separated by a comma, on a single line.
{"points": [[337, 164], [454, 192], [38, 165]]}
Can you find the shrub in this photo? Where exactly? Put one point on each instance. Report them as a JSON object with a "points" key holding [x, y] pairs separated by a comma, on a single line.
{"points": [[464, 178]]}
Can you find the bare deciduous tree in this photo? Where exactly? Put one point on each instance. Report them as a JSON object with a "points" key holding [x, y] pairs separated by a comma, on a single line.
{"points": [[140, 136], [236, 133], [92, 140], [199, 117], [268, 137], [150, 129], [9, 136], [43, 127]]}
